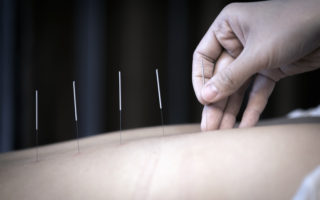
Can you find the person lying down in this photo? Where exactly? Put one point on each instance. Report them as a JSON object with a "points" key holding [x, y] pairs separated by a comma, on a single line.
{"points": [[267, 162]]}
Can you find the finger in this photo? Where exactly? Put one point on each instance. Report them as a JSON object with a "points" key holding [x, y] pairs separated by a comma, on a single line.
{"points": [[232, 108], [212, 115], [227, 38], [207, 52], [214, 112], [224, 61], [232, 77], [258, 98]]}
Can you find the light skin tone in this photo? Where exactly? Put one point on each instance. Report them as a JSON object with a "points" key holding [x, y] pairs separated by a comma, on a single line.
{"points": [[260, 42], [255, 163]]}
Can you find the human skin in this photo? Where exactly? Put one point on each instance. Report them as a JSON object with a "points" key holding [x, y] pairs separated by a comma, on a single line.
{"points": [[268, 41], [254, 163]]}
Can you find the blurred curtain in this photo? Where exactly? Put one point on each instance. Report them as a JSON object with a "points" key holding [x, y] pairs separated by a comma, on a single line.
{"points": [[90, 59], [45, 45], [8, 65]]}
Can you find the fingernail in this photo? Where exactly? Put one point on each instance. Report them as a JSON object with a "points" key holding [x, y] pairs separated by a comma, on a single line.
{"points": [[209, 92]]}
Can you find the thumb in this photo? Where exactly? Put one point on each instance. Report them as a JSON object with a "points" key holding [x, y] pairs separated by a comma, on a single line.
{"points": [[228, 80]]}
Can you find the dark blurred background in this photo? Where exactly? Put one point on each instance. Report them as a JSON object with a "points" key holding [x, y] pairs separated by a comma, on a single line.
{"points": [[46, 44]]}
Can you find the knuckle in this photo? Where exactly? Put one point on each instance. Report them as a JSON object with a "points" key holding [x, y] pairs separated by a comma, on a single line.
{"points": [[220, 30], [229, 7], [195, 54]]}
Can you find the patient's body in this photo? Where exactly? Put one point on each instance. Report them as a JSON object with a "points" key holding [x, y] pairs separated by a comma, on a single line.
{"points": [[255, 163]]}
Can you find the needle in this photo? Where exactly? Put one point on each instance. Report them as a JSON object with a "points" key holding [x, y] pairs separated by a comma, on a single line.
{"points": [[160, 103], [120, 107], [75, 112], [37, 130], [204, 82]]}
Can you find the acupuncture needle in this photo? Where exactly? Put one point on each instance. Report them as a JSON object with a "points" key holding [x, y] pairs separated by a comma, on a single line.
{"points": [[160, 102], [120, 107], [75, 113], [204, 82], [37, 128]]}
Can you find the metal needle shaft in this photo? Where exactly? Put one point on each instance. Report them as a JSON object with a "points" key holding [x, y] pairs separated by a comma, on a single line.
{"points": [[160, 102], [75, 113], [37, 128], [120, 107], [203, 80]]}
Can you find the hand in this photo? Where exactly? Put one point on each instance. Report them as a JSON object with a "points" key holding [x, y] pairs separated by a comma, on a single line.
{"points": [[265, 41]]}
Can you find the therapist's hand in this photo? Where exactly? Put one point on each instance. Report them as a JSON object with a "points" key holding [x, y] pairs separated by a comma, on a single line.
{"points": [[261, 41]]}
